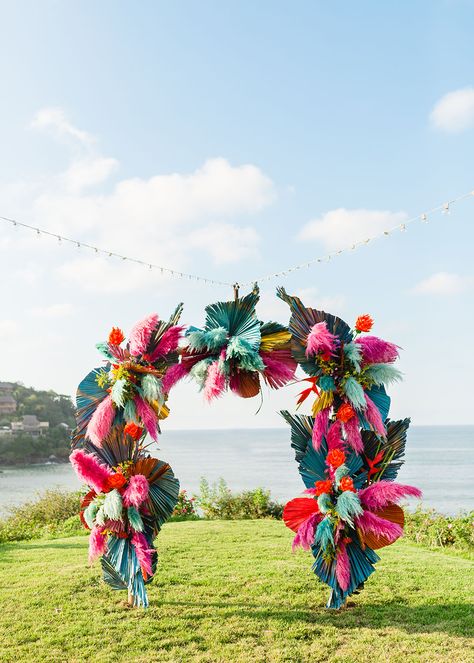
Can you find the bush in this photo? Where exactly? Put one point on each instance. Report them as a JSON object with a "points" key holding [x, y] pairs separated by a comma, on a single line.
{"points": [[217, 501], [185, 509], [436, 530], [52, 513]]}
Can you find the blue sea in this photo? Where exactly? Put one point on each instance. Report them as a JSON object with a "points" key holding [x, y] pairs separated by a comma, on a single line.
{"points": [[439, 460]]}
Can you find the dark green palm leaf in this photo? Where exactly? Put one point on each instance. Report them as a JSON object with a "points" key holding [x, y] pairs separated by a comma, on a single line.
{"points": [[238, 317]]}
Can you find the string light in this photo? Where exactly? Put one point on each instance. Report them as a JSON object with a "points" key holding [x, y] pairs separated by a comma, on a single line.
{"points": [[445, 208]]}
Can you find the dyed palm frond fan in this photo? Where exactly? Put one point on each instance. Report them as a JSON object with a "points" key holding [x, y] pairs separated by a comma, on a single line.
{"points": [[130, 493], [348, 452], [131, 386], [235, 350]]}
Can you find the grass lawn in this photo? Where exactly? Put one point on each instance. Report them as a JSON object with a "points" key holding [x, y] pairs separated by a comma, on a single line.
{"points": [[232, 591]]}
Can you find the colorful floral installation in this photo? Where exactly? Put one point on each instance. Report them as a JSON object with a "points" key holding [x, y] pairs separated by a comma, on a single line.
{"points": [[235, 351], [348, 452]]}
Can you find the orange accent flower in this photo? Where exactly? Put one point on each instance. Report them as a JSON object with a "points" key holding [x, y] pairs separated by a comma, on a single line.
{"points": [[323, 487], [346, 483], [364, 323], [117, 480], [326, 356], [133, 430], [116, 336], [345, 413], [335, 458]]}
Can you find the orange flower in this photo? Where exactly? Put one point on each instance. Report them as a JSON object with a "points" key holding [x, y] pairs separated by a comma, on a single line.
{"points": [[364, 323], [116, 336], [345, 413], [346, 483], [117, 480], [323, 487], [133, 430], [335, 458]]}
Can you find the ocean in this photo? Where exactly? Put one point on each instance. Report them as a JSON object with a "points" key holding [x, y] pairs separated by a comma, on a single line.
{"points": [[439, 460]]}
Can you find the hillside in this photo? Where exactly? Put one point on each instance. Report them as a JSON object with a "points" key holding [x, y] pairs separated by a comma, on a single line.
{"points": [[232, 591]]}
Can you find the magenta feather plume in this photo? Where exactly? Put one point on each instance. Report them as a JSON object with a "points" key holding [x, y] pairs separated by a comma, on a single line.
{"points": [[173, 375], [101, 421], [353, 435], [334, 436], [320, 339], [382, 493], [141, 334], [143, 553], [343, 568], [90, 470], [115, 526], [137, 491], [215, 382], [377, 351], [148, 416], [371, 523], [305, 534], [373, 416], [168, 343], [279, 367], [97, 543], [320, 427]]}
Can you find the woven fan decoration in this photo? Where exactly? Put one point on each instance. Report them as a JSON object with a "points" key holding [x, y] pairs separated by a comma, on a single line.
{"points": [[348, 452]]}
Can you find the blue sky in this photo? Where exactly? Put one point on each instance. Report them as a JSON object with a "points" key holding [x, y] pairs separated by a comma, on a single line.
{"points": [[231, 140]]}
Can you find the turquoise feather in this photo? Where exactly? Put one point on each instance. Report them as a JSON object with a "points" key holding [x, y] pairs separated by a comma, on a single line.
{"points": [[383, 373], [151, 388], [103, 348], [197, 340], [113, 505], [326, 382], [199, 371], [130, 412], [354, 354], [251, 362], [342, 471], [135, 519], [354, 393], [348, 506], [325, 534], [215, 338], [324, 503], [100, 516], [238, 347], [118, 392], [90, 513]]}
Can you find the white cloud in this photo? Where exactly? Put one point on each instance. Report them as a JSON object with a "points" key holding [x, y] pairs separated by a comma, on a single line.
{"points": [[340, 228], [454, 112], [91, 171], [226, 243], [312, 298], [55, 120], [444, 283], [8, 329], [52, 311]]}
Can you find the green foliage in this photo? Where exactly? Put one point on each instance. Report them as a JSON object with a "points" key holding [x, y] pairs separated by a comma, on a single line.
{"points": [[55, 512], [23, 449], [185, 509], [217, 501], [232, 592], [47, 405], [436, 530]]}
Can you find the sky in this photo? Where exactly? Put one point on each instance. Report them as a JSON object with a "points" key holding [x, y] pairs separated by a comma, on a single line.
{"points": [[232, 140]]}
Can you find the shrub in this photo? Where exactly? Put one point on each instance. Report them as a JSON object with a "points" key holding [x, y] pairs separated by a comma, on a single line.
{"points": [[185, 509], [435, 530], [217, 501]]}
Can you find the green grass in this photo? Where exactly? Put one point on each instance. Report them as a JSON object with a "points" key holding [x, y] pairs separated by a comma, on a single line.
{"points": [[232, 591]]}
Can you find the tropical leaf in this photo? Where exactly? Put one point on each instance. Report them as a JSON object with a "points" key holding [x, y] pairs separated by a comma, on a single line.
{"points": [[391, 449], [164, 490], [88, 397], [394, 514], [238, 317]]}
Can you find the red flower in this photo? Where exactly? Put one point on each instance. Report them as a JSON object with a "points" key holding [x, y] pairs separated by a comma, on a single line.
{"points": [[326, 356], [116, 336], [335, 458], [364, 323], [345, 413], [323, 487], [346, 483], [133, 430], [117, 480]]}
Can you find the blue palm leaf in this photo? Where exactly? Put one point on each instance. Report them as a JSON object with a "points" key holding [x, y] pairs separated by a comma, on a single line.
{"points": [[238, 317]]}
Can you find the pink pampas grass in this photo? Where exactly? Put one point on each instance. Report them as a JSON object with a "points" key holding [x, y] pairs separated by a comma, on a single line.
{"points": [[305, 534], [101, 421], [320, 427], [279, 367], [377, 351], [90, 470], [371, 523], [373, 416], [143, 553], [215, 382], [320, 339], [353, 436], [378, 495], [334, 436], [148, 416], [97, 544], [168, 343], [141, 334], [173, 375], [343, 568], [136, 492]]}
